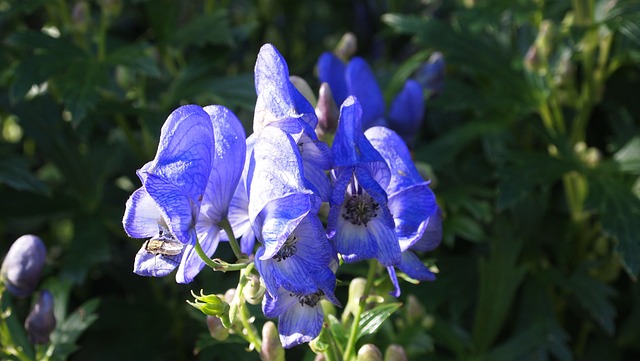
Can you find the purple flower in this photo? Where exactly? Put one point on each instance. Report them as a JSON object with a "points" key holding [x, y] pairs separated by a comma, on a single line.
{"points": [[23, 264], [360, 223], [431, 74], [413, 205], [41, 322]]}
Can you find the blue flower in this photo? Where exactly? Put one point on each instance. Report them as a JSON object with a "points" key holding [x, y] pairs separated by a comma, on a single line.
{"points": [[302, 263], [278, 198], [300, 316], [431, 74], [281, 105], [166, 207], [356, 78], [411, 202], [360, 223], [22, 266]]}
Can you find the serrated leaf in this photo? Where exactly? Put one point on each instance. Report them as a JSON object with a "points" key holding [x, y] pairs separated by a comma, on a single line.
{"points": [[68, 331], [530, 340], [595, 297], [466, 228], [628, 157], [79, 86], [337, 330], [14, 172], [371, 320], [138, 57]]}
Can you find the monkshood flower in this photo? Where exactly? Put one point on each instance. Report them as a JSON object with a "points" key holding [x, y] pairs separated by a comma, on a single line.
{"points": [[185, 191], [281, 105], [411, 202], [356, 78], [431, 74], [360, 223], [41, 322], [22, 265], [300, 316]]}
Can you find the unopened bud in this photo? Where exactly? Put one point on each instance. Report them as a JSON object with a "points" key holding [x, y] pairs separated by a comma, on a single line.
{"points": [[356, 292], [304, 89], [271, 347], [254, 290], [415, 311], [41, 322], [81, 16], [229, 295], [210, 305], [327, 111], [216, 329], [22, 266], [544, 39], [395, 353], [532, 60], [319, 357], [347, 47], [369, 352]]}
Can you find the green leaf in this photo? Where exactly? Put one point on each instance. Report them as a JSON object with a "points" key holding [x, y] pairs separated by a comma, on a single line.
{"points": [[526, 171], [372, 320], [69, 330], [79, 86], [138, 57], [210, 28], [628, 157], [15, 173], [619, 212], [465, 227]]}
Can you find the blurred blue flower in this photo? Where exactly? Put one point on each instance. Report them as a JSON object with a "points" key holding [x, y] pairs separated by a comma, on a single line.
{"points": [[407, 111], [411, 202], [41, 322], [300, 316], [166, 207], [281, 105], [302, 263], [431, 74], [23, 264], [360, 223]]}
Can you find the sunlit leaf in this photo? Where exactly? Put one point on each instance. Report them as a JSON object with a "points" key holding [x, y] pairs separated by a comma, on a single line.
{"points": [[372, 320]]}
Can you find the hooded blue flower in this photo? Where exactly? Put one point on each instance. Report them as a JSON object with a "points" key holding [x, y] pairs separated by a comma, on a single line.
{"points": [[356, 78], [166, 207], [278, 198], [360, 223], [281, 105], [302, 263], [411, 202], [22, 266], [300, 316]]}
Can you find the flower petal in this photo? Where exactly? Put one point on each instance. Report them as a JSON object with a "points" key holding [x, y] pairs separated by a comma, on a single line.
{"points": [[191, 263], [332, 70], [407, 110], [154, 265], [414, 268], [141, 215], [363, 85], [394, 281], [432, 235], [411, 208], [300, 324]]}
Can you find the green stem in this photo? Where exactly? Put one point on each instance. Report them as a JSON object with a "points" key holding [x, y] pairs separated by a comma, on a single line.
{"points": [[224, 224], [349, 352], [250, 335], [208, 261]]}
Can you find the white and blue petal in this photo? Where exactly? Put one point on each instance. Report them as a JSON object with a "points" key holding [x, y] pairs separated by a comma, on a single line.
{"points": [[142, 215], [154, 265]]}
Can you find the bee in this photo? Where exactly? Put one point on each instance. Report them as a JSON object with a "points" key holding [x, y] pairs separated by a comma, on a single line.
{"points": [[163, 246]]}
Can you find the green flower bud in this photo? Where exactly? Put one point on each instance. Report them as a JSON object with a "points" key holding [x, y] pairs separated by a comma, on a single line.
{"points": [[415, 311], [210, 305], [369, 352], [271, 347], [395, 353], [347, 47], [356, 292], [254, 290]]}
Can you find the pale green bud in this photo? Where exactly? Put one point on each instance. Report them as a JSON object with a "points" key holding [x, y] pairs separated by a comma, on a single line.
{"points": [[347, 47], [254, 290], [395, 353], [271, 347], [356, 292], [210, 305], [369, 352]]}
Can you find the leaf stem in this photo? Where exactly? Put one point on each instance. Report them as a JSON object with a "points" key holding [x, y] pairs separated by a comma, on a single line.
{"points": [[349, 352], [224, 224]]}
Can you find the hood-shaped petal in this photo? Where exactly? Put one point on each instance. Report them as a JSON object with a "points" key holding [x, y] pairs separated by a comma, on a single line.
{"points": [[332, 70], [363, 85], [154, 265], [277, 97], [407, 110], [411, 208], [278, 196], [432, 235]]}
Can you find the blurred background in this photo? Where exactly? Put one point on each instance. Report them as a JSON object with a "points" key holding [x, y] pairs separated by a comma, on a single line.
{"points": [[533, 147]]}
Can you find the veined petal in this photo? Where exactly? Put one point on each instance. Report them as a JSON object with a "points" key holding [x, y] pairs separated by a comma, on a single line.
{"points": [[154, 265], [407, 110], [141, 215], [277, 303], [332, 70], [411, 208], [279, 218], [277, 97], [300, 324], [414, 268], [388, 253], [394, 280], [354, 242], [363, 85], [179, 210], [228, 162], [432, 235], [184, 153]]}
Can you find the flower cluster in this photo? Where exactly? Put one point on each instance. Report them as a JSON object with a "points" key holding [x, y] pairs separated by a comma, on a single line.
{"points": [[269, 189]]}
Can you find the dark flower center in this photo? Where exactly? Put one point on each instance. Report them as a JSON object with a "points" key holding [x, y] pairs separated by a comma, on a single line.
{"points": [[310, 300], [360, 209], [288, 249]]}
